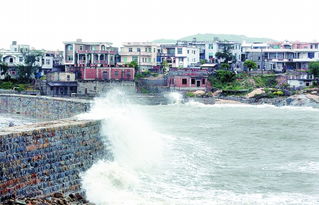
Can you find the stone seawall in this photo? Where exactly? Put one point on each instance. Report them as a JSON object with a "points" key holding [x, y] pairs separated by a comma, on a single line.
{"points": [[37, 160], [48, 108]]}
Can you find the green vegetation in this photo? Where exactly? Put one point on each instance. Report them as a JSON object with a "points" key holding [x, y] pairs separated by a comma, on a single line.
{"points": [[265, 81], [13, 85], [250, 65], [145, 74], [203, 61], [225, 66], [190, 94], [241, 83], [210, 37], [314, 68]]}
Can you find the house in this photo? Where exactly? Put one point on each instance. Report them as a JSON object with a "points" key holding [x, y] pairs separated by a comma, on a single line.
{"points": [[81, 56], [301, 81], [108, 73], [59, 84], [188, 79], [282, 56], [180, 56], [143, 53]]}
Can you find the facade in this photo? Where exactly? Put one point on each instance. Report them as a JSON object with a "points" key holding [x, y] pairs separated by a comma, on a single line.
{"points": [[107, 73], [143, 53], [89, 57], [301, 81], [206, 49], [284, 56], [60, 84], [180, 56], [188, 79]]}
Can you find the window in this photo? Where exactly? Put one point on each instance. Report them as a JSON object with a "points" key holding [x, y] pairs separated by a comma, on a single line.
{"points": [[116, 73], [179, 50], [130, 49], [193, 81], [20, 59], [69, 48], [47, 61], [81, 48], [187, 51], [150, 50], [138, 49], [94, 88], [11, 60], [68, 77], [184, 81], [203, 81], [145, 49], [70, 58]]}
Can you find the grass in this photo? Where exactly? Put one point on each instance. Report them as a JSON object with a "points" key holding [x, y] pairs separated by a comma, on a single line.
{"points": [[10, 85]]}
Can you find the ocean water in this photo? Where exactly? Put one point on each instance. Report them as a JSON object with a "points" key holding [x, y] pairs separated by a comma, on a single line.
{"points": [[14, 119], [195, 154]]}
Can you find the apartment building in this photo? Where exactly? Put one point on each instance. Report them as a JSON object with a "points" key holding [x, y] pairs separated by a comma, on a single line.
{"points": [[143, 53], [282, 56]]}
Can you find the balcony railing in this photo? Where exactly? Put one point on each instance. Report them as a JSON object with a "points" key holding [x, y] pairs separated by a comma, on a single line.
{"points": [[95, 52]]}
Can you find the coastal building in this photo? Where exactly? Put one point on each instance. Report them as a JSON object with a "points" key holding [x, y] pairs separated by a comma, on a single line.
{"points": [[301, 81], [180, 56], [188, 79], [143, 53], [83, 57], [107, 73], [206, 49], [59, 84], [282, 56]]}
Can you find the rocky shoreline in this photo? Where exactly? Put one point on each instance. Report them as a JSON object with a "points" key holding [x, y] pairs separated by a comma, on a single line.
{"points": [[54, 199]]}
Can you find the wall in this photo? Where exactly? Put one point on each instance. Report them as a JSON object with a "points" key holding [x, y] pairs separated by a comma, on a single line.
{"points": [[40, 159], [95, 87], [42, 107]]}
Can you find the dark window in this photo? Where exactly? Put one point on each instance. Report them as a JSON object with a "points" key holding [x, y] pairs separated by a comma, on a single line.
{"points": [[116, 73], [203, 81], [184, 81], [179, 50], [193, 81]]}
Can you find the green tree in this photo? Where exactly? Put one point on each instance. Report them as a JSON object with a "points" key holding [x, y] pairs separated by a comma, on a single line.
{"points": [[26, 72], [225, 76], [165, 66], [314, 68], [225, 66], [250, 64], [133, 64], [203, 61]]}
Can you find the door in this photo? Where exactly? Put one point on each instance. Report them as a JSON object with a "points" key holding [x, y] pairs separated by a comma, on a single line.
{"points": [[198, 83]]}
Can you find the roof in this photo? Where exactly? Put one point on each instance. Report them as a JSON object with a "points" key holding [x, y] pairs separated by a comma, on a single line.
{"points": [[52, 84]]}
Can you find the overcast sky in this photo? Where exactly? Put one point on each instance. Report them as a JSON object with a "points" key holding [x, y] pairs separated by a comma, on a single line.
{"points": [[47, 23]]}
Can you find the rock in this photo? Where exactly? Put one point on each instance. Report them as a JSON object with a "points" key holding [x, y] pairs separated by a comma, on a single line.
{"points": [[255, 92], [58, 195], [79, 196], [217, 93]]}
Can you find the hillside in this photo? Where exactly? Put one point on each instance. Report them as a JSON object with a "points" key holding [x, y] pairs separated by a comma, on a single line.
{"points": [[210, 37]]}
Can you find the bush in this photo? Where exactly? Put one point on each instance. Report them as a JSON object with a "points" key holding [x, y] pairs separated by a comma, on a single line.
{"points": [[190, 94]]}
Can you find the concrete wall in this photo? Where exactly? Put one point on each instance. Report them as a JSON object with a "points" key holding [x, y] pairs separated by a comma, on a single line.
{"points": [[42, 107], [95, 87]]}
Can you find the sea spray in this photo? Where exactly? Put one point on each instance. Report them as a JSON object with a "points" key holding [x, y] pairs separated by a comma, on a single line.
{"points": [[135, 145]]}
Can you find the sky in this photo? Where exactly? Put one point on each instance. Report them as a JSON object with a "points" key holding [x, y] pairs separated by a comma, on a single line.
{"points": [[45, 24]]}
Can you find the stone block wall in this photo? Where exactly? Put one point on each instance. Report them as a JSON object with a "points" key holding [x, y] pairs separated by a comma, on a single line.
{"points": [[44, 158], [48, 108]]}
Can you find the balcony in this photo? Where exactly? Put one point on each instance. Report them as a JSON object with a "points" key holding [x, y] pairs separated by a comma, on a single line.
{"points": [[136, 53], [95, 52]]}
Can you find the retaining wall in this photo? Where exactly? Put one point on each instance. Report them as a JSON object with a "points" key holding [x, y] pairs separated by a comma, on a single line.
{"points": [[39, 159], [48, 108]]}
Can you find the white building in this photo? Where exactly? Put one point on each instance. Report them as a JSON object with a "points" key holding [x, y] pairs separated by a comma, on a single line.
{"points": [[143, 53], [178, 56]]}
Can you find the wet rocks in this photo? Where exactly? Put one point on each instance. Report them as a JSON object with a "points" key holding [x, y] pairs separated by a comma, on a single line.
{"points": [[55, 199]]}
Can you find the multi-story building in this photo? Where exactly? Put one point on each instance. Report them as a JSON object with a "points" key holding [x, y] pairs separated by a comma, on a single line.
{"points": [[89, 54], [60, 84], [95, 61], [178, 56], [206, 49], [281, 56], [143, 53]]}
